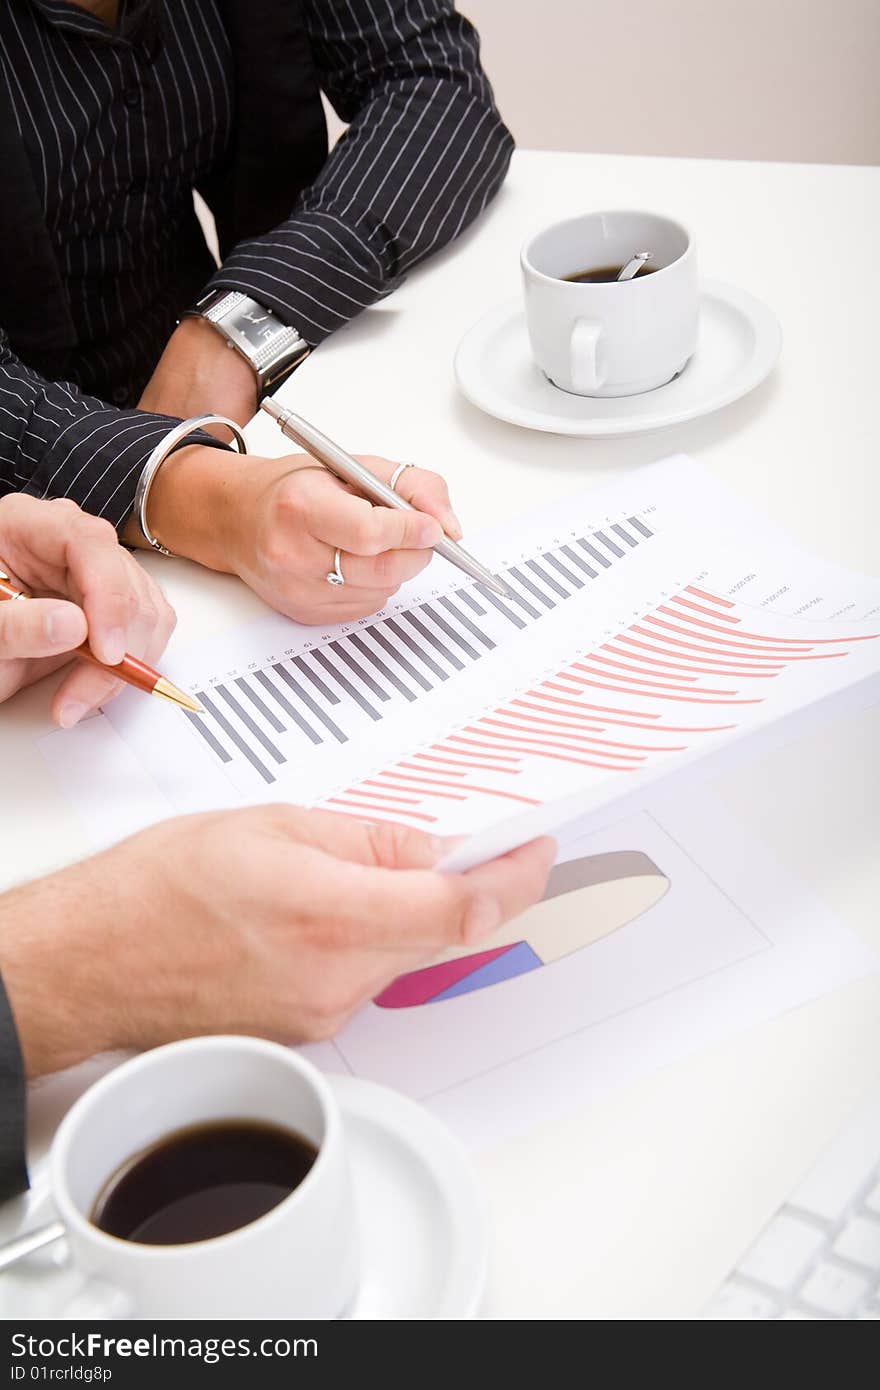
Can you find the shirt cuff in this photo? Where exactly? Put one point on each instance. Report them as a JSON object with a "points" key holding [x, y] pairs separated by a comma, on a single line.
{"points": [[97, 459], [13, 1168], [314, 271]]}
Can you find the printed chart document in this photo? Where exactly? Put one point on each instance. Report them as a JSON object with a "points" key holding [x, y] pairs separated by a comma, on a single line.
{"points": [[655, 622], [696, 934], [658, 626]]}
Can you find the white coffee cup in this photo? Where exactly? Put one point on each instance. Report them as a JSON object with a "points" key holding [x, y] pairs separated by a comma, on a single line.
{"points": [[617, 338], [299, 1260]]}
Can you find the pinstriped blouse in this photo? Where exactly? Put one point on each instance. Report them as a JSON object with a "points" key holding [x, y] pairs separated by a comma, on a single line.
{"points": [[119, 125]]}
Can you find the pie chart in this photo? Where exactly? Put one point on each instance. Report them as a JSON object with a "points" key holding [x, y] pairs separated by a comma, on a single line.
{"points": [[585, 900]]}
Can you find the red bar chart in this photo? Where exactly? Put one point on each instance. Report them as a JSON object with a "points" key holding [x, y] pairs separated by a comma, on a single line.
{"points": [[612, 710]]}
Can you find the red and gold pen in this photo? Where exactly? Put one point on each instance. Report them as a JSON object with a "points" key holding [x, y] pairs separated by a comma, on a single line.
{"points": [[130, 669]]}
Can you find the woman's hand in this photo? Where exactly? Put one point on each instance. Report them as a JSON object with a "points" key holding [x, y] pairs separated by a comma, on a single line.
{"points": [[300, 514], [104, 597], [277, 523], [270, 921]]}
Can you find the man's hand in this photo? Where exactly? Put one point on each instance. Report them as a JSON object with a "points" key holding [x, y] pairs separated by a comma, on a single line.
{"points": [[105, 598], [198, 373], [278, 522], [271, 921]]}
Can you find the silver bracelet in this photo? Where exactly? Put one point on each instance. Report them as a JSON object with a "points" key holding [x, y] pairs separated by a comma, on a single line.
{"points": [[173, 440]]}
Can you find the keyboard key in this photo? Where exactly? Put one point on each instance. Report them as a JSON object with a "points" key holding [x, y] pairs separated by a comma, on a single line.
{"points": [[819, 1256], [859, 1241], [780, 1255], [844, 1167], [834, 1291], [738, 1303]]}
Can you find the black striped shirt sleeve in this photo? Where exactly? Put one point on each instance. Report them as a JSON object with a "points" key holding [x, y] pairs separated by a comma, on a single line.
{"points": [[55, 441], [13, 1171], [425, 151]]}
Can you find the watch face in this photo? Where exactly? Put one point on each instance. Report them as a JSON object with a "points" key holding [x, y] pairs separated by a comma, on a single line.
{"points": [[255, 324]]}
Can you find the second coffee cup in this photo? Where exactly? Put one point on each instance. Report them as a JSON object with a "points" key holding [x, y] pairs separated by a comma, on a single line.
{"points": [[611, 338], [298, 1260]]}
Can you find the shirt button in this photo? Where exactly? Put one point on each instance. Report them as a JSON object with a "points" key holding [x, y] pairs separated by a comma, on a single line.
{"points": [[132, 97], [120, 395]]}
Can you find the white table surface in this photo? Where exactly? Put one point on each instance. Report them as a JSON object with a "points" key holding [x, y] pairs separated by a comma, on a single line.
{"points": [[635, 1207]]}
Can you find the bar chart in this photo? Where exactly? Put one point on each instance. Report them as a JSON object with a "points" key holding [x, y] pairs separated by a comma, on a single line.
{"points": [[330, 694], [687, 670], [647, 625]]}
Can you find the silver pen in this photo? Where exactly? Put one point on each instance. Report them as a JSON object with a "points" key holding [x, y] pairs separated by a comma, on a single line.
{"points": [[350, 471]]}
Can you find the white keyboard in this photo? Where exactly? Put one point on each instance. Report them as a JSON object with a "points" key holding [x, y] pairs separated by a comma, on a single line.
{"points": [[819, 1256]]}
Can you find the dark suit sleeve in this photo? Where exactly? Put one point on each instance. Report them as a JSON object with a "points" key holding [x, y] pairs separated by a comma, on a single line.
{"points": [[13, 1171], [55, 441], [424, 152]]}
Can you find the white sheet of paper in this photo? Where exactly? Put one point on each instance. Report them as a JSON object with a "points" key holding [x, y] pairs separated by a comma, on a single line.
{"points": [[617, 670], [659, 623], [735, 941]]}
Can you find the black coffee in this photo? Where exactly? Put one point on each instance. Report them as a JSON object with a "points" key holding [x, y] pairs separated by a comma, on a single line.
{"points": [[603, 274], [202, 1182]]}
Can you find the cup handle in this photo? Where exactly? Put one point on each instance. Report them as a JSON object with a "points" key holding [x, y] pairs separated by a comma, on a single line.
{"points": [[95, 1298], [584, 345]]}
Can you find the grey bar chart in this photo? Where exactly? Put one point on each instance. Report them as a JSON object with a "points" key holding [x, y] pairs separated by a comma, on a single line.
{"points": [[333, 692]]}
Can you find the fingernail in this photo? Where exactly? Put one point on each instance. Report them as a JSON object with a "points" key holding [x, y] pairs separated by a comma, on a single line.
{"points": [[429, 531], [113, 646], [483, 918], [453, 527], [63, 625], [70, 713]]}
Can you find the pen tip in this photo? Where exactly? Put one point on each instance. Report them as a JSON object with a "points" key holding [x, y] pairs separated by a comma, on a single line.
{"points": [[166, 691], [502, 589]]}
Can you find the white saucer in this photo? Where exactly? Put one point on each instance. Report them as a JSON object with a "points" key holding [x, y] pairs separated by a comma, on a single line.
{"points": [[424, 1227], [424, 1230], [739, 343]]}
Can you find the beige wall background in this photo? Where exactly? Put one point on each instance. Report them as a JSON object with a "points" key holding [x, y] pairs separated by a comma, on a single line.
{"points": [[735, 79], [724, 79]]}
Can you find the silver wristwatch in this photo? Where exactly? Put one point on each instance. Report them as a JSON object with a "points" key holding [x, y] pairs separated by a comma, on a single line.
{"points": [[272, 348]]}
